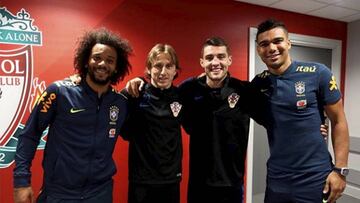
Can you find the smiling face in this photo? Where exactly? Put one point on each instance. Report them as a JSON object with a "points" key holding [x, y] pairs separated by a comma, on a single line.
{"points": [[215, 61], [273, 48], [162, 71], [101, 64]]}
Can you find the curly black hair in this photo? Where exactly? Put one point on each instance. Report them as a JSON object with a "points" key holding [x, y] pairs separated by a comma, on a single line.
{"points": [[103, 36]]}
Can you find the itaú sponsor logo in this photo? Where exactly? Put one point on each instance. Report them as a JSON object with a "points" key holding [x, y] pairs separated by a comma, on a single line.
{"points": [[306, 69]]}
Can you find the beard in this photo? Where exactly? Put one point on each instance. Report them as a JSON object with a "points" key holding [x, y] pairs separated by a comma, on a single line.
{"points": [[100, 81]]}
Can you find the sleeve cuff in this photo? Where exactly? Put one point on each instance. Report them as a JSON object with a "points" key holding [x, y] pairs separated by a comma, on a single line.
{"points": [[22, 181]]}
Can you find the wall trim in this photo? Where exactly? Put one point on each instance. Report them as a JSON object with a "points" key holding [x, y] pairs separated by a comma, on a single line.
{"points": [[355, 145]]}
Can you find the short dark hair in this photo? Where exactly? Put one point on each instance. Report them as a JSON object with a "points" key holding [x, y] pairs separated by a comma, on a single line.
{"points": [[156, 51], [270, 24], [103, 36], [215, 41]]}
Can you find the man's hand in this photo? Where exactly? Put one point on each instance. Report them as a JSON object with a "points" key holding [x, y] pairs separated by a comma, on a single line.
{"points": [[201, 75], [324, 131], [23, 195], [134, 86], [75, 78], [335, 184]]}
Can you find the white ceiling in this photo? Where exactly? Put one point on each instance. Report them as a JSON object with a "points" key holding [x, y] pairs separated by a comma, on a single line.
{"points": [[342, 10]]}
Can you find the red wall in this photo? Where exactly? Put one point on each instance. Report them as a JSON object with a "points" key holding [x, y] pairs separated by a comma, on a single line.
{"points": [[185, 24]]}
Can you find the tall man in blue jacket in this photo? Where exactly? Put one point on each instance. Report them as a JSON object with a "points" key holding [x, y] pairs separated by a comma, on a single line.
{"points": [[300, 167], [84, 122]]}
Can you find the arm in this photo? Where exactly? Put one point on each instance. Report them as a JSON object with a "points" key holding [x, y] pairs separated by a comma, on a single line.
{"points": [[134, 86], [23, 195], [130, 123], [186, 90], [340, 139], [28, 140], [256, 101], [76, 79]]}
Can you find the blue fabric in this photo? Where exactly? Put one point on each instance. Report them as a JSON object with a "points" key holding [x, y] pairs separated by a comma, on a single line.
{"points": [[294, 115], [83, 130], [105, 195], [296, 187]]}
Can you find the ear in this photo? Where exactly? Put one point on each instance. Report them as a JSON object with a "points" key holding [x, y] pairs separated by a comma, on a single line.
{"points": [[230, 60], [289, 44], [202, 63], [176, 73], [257, 49]]}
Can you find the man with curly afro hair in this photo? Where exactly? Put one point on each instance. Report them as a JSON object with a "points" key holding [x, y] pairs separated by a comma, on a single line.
{"points": [[84, 121]]}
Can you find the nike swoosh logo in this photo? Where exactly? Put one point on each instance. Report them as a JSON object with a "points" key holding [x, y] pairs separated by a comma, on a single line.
{"points": [[263, 90], [72, 110]]}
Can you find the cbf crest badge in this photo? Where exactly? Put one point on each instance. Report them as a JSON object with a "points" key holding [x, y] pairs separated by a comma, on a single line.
{"points": [[175, 108], [114, 114], [233, 99], [17, 89], [300, 88]]}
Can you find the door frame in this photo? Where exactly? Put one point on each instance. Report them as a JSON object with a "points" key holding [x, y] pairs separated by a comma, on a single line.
{"points": [[300, 40]]}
